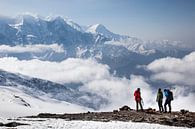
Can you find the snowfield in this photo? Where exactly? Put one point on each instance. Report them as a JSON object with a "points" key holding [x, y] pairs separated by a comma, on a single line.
{"points": [[14, 103], [62, 124]]}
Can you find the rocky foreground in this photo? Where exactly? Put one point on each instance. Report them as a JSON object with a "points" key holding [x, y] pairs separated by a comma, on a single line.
{"points": [[181, 119]]}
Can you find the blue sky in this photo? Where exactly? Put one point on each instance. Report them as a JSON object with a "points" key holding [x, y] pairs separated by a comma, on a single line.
{"points": [[146, 19]]}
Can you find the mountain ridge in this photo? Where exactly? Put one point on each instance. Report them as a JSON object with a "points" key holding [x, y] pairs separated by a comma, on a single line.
{"points": [[63, 92], [98, 43], [44, 27]]}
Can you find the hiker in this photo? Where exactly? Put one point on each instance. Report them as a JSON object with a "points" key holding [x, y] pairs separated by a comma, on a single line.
{"points": [[169, 98], [159, 99], [138, 99]]}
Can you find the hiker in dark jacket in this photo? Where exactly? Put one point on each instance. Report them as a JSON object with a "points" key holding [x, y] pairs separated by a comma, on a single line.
{"points": [[159, 99], [138, 99], [169, 98]]}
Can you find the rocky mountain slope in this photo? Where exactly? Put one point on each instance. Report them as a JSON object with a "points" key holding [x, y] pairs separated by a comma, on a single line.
{"points": [[40, 89], [180, 119]]}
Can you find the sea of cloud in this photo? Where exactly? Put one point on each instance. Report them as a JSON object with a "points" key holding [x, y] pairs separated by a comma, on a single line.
{"points": [[96, 78], [175, 70], [71, 70]]}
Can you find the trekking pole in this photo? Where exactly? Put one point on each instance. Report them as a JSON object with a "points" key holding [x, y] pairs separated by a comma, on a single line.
{"points": [[142, 101]]}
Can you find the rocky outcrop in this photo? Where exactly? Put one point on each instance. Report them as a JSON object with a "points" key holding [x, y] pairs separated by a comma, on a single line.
{"points": [[12, 124], [125, 108], [127, 114]]}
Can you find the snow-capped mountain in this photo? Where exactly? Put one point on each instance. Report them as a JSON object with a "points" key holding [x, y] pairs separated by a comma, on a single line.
{"points": [[27, 29], [94, 41], [32, 29], [134, 44], [40, 89], [131, 43], [101, 29]]}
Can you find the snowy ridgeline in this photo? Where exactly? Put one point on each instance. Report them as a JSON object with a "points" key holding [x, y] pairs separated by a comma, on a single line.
{"points": [[28, 29], [62, 124], [15, 103]]}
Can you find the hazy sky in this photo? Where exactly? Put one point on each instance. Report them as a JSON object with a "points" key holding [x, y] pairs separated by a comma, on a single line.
{"points": [[146, 19]]}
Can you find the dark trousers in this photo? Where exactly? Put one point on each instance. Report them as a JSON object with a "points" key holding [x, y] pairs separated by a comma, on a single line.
{"points": [[160, 106], [167, 102], [137, 104]]}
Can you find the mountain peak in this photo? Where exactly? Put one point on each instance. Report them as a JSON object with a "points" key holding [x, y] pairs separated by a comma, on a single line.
{"points": [[53, 18], [97, 28], [101, 29]]}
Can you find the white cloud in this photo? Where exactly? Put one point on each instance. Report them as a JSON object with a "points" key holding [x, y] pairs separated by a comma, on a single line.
{"points": [[175, 70], [94, 76], [37, 48], [96, 79], [183, 98], [119, 91], [67, 71], [180, 74]]}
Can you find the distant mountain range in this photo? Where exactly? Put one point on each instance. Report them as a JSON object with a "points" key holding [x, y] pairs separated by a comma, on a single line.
{"points": [[122, 53]]}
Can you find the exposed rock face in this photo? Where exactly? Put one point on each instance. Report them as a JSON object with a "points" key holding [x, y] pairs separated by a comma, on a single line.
{"points": [[126, 114], [125, 108], [12, 124], [183, 111], [150, 110]]}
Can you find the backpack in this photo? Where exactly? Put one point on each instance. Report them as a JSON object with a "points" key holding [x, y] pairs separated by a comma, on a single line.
{"points": [[159, 96], [171, 95]]}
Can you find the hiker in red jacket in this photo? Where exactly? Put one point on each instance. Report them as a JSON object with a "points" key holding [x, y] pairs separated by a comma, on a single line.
{"points": [[138, 99]]}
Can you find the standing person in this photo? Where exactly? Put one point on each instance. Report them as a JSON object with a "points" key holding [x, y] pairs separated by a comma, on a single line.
{"points": [[138, 99], [169, 98], [159, 99]]}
